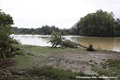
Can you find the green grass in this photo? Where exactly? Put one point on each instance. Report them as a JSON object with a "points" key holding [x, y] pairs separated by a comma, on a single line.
{"points": [[36, 55], [101, 71], [27, 78], [113, 68], [50, 73], [44, 50], [57, 74], [33, 58]]}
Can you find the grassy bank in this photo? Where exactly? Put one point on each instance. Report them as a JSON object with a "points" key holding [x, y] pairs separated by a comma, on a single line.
{"points": [[50, 73], [33, 60], [36, 55]]}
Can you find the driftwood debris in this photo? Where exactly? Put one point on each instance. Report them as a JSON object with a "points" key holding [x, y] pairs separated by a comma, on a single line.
{"points": [[90, 48]]}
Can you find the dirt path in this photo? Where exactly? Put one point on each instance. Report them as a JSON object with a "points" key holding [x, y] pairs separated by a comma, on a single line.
{"points": [[82, 61]]}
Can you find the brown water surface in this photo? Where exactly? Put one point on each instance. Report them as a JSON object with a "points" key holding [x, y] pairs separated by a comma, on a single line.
{"points": [[106, 43], [100, 42]]}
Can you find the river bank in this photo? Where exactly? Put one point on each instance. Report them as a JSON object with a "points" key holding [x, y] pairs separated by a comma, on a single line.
{"points": [[98, 63]]}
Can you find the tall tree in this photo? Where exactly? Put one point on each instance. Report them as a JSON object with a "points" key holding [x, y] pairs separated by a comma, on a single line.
{"points": [[117, 27], [100, 23], [5, 19], [5, 30]]}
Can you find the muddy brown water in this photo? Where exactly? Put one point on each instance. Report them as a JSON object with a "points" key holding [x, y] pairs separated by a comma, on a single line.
{"points": [[106, 43]]}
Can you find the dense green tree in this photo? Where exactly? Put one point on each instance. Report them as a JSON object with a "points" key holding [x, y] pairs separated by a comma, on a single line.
{"points": [[5, 42], [117, 27], [75, 30], [99, 24], [6, 49], [5, 19], [44, 30], [54, 29]]}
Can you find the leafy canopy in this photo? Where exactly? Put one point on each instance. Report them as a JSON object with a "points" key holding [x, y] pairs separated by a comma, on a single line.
{"points": [[6, 49], [100, 23]]}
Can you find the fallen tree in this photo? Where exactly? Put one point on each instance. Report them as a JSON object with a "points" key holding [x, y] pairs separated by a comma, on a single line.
{"points": [[57, 40]]}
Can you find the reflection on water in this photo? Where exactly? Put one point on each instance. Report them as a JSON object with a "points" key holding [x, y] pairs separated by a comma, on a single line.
{"points": [[98, 42]]}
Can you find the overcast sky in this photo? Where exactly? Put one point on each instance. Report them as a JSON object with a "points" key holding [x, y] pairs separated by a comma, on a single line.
{"points": [[61, 13]]}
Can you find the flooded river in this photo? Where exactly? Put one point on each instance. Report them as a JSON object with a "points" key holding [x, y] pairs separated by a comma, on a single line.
{"points": [[106, 43]]}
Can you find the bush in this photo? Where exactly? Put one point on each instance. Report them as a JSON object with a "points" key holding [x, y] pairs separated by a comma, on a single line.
{"points": [[69, 43]]}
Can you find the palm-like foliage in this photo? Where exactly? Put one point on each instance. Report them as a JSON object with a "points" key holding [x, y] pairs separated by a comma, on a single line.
{"points": [[56, 39]]}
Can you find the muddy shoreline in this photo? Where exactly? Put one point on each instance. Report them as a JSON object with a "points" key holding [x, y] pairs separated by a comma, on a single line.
{"points": [[82, 61]]}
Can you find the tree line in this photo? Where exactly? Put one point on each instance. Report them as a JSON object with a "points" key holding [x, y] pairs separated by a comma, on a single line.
{"points": [[98, 24], [44, 30]]}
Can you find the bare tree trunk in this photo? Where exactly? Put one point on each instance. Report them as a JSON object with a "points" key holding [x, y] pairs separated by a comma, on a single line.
{"points": [[82, 46]]}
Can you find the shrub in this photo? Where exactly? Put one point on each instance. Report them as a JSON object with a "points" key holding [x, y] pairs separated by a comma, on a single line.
{"points": [[69, 43]]}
